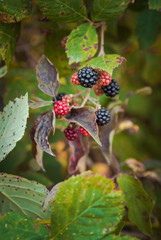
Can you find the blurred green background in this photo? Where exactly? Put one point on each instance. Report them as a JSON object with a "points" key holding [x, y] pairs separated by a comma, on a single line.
{"points": [[137, 37]]}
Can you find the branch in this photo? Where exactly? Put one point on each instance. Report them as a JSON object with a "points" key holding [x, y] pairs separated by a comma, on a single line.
{"points": [[86, 98], [102, 53]]}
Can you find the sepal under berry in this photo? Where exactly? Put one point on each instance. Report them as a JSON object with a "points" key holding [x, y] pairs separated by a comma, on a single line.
{"points": [[61, 108]]}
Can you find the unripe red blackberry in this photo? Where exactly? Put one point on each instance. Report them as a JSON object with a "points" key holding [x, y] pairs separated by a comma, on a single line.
{"points": [[87, 77], [98, 89], [70, 133], [61, 108], [112, 89], [104, 78], [83, 131], [102, 116], [74, 79], [67, 99], [59, 96]]}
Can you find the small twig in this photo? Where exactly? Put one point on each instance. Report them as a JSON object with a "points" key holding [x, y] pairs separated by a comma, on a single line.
{"points": [[102, 53], [86, 98], [96, 104], [88, 20], [80, 93]]}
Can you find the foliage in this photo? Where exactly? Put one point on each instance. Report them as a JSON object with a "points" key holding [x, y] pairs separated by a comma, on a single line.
{"points": [[16, 226], [120, 199], [8, 37], [13, 121]]}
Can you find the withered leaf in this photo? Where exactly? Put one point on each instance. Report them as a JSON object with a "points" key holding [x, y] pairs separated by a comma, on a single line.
{"points": [[78, 151], [36, 102], [87, 119], [47, 76], [50, 196], [45, 123]]}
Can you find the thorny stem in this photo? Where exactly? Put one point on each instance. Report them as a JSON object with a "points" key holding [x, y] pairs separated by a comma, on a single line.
{"points": [[86, 98], [102, 53]]}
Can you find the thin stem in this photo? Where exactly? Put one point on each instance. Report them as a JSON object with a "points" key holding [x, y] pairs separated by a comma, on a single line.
{"points": [[79, 93], [96, 104], [86, 98], [102, 53], [88, 20]]}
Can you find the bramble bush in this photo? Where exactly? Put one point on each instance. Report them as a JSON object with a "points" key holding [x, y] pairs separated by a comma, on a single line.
{"points": [[67, 68]]}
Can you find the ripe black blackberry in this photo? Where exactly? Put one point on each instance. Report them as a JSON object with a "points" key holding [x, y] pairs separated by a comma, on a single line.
{"points": [[59, 96], [112, 89], [87, 77], [102, 116]]}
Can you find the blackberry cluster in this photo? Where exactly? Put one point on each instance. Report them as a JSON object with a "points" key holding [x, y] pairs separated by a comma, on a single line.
{"points": [[59, 96], [70, 133], [87, 77], [102, 116], [112, 89]]}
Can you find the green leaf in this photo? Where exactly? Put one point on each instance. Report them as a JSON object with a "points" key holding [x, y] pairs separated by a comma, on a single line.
{"points": [[84, 202], [13, 121], [8, 36], [138, 202], [86, 118], [63, 10], [113, 237], [56, 53], [82, 43], [14, 11], [23, 196], [47, 76], [155, 4], [3, 71], [103, 10], [148, 27], [107, 63], [15, 226]]}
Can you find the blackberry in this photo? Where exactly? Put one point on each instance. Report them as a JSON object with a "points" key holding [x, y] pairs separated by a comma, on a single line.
{"points": [[104, 78], [74, 79], [61, 108], [59, 96], [87, 77], [83, 131], [70, 133], [98, 89], [112, 89], [102, 116]]}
